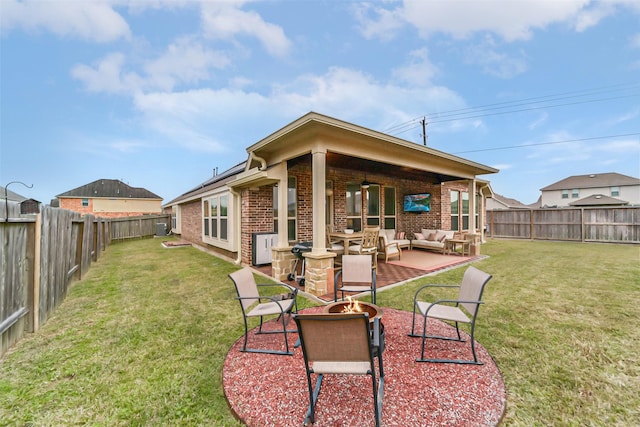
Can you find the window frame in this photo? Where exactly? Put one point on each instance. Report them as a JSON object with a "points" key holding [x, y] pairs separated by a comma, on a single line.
{"points": [[217, 220]]}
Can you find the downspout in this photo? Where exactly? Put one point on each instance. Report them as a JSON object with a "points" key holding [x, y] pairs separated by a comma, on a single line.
{"points": [[238, 209], [263, 162]]}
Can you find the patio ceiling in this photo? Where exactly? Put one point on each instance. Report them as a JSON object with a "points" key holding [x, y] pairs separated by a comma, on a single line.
{"points": [[341, 161]]}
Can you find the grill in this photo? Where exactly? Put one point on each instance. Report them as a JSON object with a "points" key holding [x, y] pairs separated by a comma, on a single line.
{"points": [[298, 249]]}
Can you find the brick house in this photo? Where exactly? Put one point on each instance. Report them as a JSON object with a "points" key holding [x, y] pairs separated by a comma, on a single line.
{"points": [[357, 177], [110, 198]]}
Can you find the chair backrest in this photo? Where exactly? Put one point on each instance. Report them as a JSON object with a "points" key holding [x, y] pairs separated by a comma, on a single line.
{"points": [[357, 268], [339, 337], [370, 238], [473, 283], [246, 286]]}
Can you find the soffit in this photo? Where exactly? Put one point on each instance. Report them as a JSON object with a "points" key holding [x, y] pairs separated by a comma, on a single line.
{"points": [[361, 149]]}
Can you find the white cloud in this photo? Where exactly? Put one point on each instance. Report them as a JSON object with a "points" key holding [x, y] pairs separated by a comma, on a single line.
{"points": [[107, 76], [511, 20], [224, 20], [184, 61], [419, 71], [208, 119], [385, 24], [485, 53], [91, 20], [540, 120]]}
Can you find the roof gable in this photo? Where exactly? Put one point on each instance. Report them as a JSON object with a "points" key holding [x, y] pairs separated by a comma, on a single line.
{"points": [[111, 188], [610, 179]]}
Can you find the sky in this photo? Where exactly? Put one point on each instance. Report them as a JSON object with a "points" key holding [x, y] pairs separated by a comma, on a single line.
{"points": [[160, 93]]}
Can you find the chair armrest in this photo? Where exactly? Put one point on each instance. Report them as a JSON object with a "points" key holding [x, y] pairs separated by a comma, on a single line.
{"points": [[432, 285]]}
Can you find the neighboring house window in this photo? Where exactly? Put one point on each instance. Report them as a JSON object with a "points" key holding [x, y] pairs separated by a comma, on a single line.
{"points": [[354, 206], [389, 208], [291, 209], [85, 202], [615, 191], [565, 194], [373, 205], [575, 193], [455, 210], [215, 225]]}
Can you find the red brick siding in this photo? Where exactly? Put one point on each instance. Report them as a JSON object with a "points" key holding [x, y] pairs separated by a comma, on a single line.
{"points": [[75, 205]]}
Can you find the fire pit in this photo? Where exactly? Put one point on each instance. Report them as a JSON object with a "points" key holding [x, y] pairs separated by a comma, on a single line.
{"points": [[354, 306]]}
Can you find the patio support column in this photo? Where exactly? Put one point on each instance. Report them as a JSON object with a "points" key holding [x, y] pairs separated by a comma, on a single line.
{"points": [[282, 258], [475, 237], [319, 189], [472, 206], [319, 262]]}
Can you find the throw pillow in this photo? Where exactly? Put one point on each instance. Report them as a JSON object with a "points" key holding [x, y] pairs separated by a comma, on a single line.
{"points": [[440, 236], [419, 236], [431, 237], [400, 235]]}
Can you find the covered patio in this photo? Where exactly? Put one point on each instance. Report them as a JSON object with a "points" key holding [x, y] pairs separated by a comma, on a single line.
{"points": [[413, 264]]}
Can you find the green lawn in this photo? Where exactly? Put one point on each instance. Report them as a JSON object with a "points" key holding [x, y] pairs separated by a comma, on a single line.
{"points": [[141, 340]]}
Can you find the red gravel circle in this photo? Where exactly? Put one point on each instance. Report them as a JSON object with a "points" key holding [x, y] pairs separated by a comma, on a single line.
{"points": [[271, 390]]}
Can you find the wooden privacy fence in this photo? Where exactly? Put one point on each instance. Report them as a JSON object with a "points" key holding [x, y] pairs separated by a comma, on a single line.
{"points": [[597, 224], [41, 254]]}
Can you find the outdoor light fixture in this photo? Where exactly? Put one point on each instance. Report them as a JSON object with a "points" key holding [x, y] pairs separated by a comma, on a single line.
{"points": [[365, 184]]}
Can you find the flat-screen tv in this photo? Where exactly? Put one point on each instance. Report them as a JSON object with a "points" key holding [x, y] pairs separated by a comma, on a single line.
{"points": [[417, 202]]}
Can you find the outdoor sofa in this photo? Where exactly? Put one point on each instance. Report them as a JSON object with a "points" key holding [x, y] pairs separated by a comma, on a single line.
{"points": [[431, 239]]}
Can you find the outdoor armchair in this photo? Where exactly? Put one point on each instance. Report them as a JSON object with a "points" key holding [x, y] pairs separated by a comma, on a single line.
{"points": [[389, 249], [464, 309], [368, 245], [356, 275], [341, 343], [254, 305]]}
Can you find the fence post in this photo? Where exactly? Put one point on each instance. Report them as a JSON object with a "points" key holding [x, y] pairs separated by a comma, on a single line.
{"points": [[37, 254]]}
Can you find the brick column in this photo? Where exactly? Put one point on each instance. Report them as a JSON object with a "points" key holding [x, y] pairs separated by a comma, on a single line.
{"points": [[319, 273]]}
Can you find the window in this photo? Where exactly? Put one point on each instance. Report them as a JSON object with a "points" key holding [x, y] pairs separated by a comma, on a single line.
{"points": [[373, 205], [455, 211], [85, 202], [565, 194], [291, 209], [465, 210], [354, 206], [575, 193], [615, 191], [215, 225], [389, 208]]}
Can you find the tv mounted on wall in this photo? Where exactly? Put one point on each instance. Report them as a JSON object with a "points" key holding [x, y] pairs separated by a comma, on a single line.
{"points": [[417, 202]]}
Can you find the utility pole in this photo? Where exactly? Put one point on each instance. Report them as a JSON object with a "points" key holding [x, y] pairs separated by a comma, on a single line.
{"points": [[424, 131]]}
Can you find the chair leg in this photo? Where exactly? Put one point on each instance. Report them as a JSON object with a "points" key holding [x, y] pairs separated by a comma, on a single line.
{"points": [[284, 331], [310, 416]]}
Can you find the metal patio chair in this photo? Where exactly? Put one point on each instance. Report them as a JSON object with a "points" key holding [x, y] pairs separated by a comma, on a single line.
{"points": [[469, 299], [356, 275], [254, 305], [341, 343]]}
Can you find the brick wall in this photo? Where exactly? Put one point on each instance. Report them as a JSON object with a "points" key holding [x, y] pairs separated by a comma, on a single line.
{"points": [[75, 205]]}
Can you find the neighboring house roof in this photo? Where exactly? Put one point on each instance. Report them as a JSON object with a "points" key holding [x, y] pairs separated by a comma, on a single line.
{"points": [[508, 203], [610, 179], [111, 188], [11, 196], [598, 200], [537, 204]]}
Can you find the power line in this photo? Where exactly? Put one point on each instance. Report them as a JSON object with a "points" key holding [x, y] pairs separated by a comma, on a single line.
{"points": [[548, 143], [464, 113]]}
